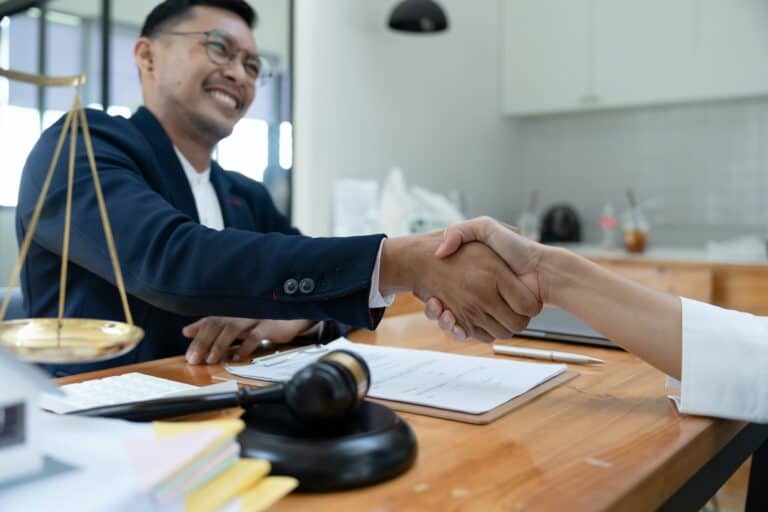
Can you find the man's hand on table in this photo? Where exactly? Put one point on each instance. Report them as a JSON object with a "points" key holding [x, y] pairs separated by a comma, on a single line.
{"points": [[213, 336]]}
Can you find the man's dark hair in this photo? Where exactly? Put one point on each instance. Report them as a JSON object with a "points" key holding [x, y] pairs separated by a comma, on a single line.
{"points": [[171, 11]]}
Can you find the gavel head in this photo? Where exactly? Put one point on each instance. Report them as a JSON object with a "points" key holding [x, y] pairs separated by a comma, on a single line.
{"points": [[329, 388]]}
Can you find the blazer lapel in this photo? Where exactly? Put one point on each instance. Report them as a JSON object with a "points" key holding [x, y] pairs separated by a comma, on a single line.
{"points": [[168, 176], [233, 208]]}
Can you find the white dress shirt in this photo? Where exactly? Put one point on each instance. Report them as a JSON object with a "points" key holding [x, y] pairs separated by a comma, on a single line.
{"points": [[724, 363], [209, 212], [206, 200]]}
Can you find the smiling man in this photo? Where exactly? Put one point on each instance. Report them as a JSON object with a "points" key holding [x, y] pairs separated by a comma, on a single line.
{"points": [[199, 67], [195, 240], [198, 97]]}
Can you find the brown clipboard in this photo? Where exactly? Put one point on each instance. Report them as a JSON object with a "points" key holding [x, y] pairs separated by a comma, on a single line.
{"points": [[446, 414]]}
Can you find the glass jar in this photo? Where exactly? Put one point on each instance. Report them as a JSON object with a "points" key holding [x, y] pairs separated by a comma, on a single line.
{"points": [[635, 227]]}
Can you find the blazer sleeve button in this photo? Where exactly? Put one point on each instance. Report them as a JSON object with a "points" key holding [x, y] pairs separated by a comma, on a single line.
{"points": [[290, 286], [307, 285]]}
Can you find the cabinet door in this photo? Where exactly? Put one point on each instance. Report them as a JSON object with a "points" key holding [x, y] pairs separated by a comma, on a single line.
{"points": [[545, 55], [733, 47], [692, 282], [644, 51]]}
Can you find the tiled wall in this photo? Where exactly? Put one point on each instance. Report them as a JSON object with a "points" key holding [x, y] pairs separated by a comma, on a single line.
{"points": [[702, 168]]}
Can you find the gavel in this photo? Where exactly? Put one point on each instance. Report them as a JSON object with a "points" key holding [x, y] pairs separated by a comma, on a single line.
{"points": [[323, 391]]}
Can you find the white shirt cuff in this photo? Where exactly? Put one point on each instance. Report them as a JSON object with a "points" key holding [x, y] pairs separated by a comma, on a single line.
{"points": [[724, 361], [375, 299]]}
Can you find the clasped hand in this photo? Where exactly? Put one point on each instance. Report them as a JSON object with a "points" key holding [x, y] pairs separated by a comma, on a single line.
{"points": [[498, 293]]}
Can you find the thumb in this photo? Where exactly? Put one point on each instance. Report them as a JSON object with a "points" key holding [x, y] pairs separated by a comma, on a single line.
{"points": [[452, 240], [462, 233], [504, 240]]}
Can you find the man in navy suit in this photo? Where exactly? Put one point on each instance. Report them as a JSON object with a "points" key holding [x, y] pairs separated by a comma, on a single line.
{"points": [[195, 240]]}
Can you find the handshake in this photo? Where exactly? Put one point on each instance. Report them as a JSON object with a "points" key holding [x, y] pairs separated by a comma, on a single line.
{"points": [[478, 279], [481, 279]]}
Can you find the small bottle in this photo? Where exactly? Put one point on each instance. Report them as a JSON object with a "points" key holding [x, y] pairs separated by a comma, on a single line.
{"points": [[608, 224]]}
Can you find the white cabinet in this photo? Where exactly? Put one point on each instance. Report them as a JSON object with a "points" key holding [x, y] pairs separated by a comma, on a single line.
{"points": [[546, 55], [733, 48], [644, 51], [567, 55]]}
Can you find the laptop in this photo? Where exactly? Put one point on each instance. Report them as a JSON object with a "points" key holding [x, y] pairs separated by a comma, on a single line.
{"points": [[557, 325]]}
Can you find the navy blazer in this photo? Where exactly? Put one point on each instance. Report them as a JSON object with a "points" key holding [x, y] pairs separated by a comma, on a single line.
{"points": [[175, 269]]}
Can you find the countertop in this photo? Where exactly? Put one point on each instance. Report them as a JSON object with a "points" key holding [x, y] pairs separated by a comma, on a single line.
{"points": [[669, 253]]}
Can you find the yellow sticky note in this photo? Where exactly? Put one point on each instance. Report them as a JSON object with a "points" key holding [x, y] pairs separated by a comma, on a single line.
{"points": [[229, 428], [264, 494], [234, 481]]}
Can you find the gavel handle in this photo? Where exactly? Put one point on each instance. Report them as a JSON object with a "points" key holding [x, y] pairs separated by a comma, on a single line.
{"points": [[148, 410]]}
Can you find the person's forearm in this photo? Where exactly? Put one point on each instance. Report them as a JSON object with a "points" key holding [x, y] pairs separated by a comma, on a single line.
{"points": [[402, 261], [642, 320]]}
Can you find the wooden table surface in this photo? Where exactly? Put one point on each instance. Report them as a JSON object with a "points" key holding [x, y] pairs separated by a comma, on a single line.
{"points": [[608, 440]]}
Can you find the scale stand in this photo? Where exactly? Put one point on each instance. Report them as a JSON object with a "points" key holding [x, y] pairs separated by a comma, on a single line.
{"points": [[67, 340]]}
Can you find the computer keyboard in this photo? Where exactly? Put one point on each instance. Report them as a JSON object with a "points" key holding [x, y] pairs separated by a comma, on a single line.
{"points": [[129, 387]]}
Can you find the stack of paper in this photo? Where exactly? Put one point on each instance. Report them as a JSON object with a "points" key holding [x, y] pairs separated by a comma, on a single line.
{"points": [[453, 382], [103, 464]]}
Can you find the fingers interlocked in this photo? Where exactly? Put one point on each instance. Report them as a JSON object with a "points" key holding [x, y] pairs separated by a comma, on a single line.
{"points": [[507, 300]]}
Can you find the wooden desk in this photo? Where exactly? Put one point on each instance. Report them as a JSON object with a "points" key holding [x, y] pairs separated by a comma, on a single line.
{"points": [[607, 440]]}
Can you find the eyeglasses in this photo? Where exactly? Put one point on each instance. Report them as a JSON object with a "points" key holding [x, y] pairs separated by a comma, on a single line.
{"points": [[222, 50]]}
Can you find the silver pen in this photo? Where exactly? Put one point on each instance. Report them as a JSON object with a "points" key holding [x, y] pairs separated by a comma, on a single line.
{"points": [[547, 355]]}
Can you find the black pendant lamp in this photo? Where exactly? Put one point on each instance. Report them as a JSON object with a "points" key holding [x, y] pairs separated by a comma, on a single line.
{"points": [[419, 16]]}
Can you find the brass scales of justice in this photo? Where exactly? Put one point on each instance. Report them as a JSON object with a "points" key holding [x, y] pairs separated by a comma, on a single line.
{"points": [[67, 340]]}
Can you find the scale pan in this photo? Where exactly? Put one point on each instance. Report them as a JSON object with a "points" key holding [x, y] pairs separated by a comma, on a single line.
{"points": [[79, 340]]}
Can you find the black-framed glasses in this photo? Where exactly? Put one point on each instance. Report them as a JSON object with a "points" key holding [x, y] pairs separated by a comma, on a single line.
{"points": [[222, 50]]}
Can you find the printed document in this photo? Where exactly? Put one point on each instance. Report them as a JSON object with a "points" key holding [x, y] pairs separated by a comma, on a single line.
{"points": [[468, 384]]}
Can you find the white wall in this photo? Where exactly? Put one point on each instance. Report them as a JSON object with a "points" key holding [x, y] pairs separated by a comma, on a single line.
{"points": [[367, 98]]}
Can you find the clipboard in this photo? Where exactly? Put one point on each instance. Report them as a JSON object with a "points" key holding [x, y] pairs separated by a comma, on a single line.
{"points": [[446, 414]]}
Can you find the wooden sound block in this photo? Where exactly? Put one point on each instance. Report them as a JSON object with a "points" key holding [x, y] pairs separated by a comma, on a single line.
{"points": [[370, 445]]}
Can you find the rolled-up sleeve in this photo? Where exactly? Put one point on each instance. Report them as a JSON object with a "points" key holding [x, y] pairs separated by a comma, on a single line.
{"points": [[724, 363]]}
